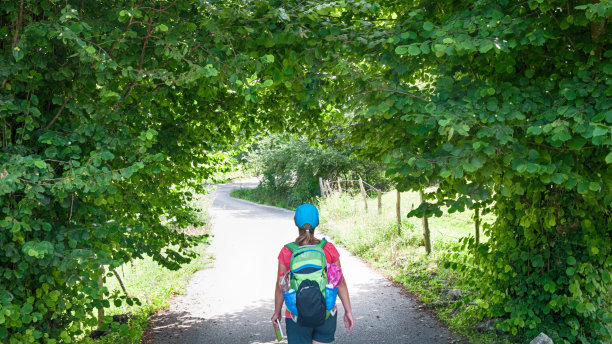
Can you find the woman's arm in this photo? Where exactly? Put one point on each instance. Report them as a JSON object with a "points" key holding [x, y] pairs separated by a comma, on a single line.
{"points": [[278, 295], [343, 294]]}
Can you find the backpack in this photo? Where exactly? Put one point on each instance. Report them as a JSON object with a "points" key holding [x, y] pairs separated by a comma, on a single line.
{"points": [[308, 276]]}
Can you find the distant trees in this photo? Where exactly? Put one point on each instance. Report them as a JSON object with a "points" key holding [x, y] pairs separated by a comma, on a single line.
{"points": [[291, 167]]}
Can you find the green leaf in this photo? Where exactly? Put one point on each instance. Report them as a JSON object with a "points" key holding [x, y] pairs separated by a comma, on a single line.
{"points": [[428, 26], [558, 178], [40, 164], [593, 186], [76, 28], [268, 83], [535, 130], [414, 50], [444, 173], [609, 158], [401, 49], [600, 131], [162, 27], [609, 116], [485, 46], [425, 48], [570, 94], [17, 54]]}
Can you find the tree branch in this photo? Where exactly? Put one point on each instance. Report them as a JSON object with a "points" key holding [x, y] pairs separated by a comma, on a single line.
{"points": [[59, 112], [140, 63], [402, 92], [18, 26], [16, 35], [120, 282], [156, 9], [121, 38]]}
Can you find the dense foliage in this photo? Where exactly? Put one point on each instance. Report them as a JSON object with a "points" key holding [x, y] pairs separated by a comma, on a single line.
{"points": [[507, 104], [291, 168], [112, 111], [110, 114]]}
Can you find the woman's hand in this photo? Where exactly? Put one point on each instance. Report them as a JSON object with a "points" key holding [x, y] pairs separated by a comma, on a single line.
{"points": [[349, 322], [278, 295], [275, 316]]}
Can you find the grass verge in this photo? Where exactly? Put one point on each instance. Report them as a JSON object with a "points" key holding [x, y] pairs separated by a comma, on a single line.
{"points": [[153, 285], [400, 253], [262, 196]]}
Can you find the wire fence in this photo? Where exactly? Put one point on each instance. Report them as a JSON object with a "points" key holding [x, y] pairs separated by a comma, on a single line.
{"points": [[359, 186]]}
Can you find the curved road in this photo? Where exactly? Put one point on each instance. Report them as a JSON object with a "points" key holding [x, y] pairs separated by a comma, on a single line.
{"points": [[233, 301]]}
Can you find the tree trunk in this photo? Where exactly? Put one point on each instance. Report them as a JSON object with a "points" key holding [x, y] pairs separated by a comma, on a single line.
{"points": [[477, 225], [101, 308], [425, 228], [398, 214]]}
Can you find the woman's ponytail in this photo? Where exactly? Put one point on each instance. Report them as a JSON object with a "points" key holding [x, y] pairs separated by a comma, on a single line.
{"points": [[306, 236]]}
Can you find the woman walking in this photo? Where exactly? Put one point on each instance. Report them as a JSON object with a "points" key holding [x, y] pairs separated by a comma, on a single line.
{"points": [[306, 331]]}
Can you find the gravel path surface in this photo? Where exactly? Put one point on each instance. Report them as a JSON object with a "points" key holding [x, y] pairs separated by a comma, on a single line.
{"points": [[233, 301]]}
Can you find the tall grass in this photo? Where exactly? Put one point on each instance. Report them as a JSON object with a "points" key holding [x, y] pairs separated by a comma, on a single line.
{"points": [[400, 254], [344, 217]]}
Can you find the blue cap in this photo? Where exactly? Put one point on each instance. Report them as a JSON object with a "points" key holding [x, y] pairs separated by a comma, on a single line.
{"points": [[306, 214]]}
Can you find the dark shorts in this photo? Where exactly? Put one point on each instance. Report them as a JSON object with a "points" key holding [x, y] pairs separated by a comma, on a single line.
{"points": [[297, 334]]}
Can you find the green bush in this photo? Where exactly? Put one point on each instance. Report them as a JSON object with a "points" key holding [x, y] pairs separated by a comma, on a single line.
{"points": [[291, 168]]}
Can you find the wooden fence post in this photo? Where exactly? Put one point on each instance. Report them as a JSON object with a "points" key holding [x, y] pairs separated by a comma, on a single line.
{"points": [[379, 197], [425, 228], [339, 186], [322, 187], [363, 194], [398, 214]]}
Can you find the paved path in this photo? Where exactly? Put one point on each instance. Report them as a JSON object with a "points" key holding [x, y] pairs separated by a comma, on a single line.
{"points": [[233, 301]]}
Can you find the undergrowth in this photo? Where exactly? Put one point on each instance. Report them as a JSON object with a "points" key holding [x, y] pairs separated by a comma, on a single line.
{"points": [[400, 254], [153, 285]]}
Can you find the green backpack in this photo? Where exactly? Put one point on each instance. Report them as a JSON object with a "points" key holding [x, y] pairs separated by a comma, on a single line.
{"points": [[308, 269]]}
